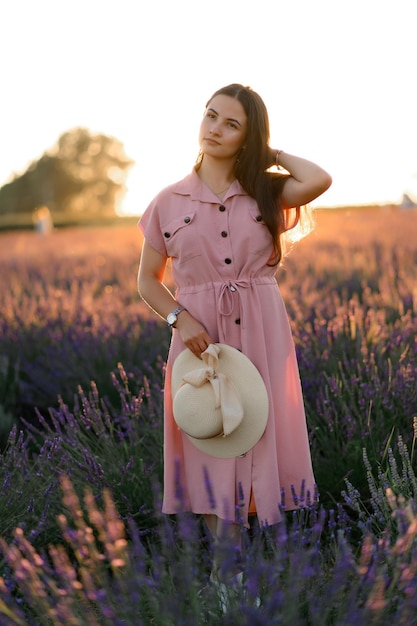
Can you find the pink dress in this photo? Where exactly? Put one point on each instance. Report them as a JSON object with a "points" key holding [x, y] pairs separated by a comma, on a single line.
{"points": [[219, 254]]}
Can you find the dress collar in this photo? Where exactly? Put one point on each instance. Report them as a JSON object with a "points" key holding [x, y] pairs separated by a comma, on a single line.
{"points": [[193, 186]]}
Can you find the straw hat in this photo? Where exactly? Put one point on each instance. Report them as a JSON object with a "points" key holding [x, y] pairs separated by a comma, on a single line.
{"points": [[219, 401]]}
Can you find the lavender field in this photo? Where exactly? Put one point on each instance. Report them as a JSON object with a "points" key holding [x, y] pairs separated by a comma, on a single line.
{"points": [[81, 374]]}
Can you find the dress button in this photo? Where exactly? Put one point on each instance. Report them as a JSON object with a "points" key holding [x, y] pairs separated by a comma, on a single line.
{"points": [[222, 208], [167, 235], [237, 321], [259, 218], [224, 233], [187, 220], [228, 261]]}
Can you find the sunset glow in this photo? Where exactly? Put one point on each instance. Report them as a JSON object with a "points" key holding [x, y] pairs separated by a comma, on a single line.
{"points": [[337, 78]]}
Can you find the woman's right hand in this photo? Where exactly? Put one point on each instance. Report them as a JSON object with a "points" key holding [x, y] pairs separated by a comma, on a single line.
{"points": [[159, 298], [193, 334]]}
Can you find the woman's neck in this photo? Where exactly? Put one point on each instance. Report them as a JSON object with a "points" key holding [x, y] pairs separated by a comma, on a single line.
{"points": [[218, 176]]}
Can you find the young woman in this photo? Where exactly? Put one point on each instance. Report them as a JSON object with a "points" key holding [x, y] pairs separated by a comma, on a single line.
{"points": [[222, 226]]}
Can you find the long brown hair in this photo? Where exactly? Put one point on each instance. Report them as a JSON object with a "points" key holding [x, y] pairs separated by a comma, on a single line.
{"points": [[253, 162]]}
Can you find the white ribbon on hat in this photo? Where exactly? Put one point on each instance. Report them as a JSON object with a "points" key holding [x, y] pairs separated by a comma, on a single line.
{"points": [[226, 397]]}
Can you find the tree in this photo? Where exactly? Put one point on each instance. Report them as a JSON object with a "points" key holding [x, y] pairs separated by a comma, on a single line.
{"points": [[83, 174]]}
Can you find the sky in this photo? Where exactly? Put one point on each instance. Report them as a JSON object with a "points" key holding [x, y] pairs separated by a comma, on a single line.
{"points": [[338, 78]]}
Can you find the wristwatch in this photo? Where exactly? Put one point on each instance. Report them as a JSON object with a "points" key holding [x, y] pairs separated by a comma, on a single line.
{"points": [[173, 316]]}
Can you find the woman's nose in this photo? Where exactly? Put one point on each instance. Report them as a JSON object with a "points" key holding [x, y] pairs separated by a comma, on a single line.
{"points": [[214, 130]]}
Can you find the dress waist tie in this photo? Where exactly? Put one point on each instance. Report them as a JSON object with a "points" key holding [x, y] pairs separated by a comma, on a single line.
{"points": [[226, 291], [225, 300]]}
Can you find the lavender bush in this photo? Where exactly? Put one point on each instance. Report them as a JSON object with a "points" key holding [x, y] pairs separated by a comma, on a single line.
{"points": [[81, 374], [70, 313], [95, 444], [303, 572], [354, 317]]}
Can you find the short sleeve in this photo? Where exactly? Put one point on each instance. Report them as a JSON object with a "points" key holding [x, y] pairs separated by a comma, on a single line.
{"points": [[150, 226]]}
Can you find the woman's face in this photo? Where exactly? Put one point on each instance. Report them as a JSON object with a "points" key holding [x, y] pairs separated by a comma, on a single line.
{"points": [[223, 128]]}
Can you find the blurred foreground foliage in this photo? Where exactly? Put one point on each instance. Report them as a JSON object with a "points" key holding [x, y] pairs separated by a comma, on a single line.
{"points": [[305, 571]]}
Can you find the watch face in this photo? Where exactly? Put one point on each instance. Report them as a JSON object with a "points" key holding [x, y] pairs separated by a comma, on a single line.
{"points": [[171, 319]]}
